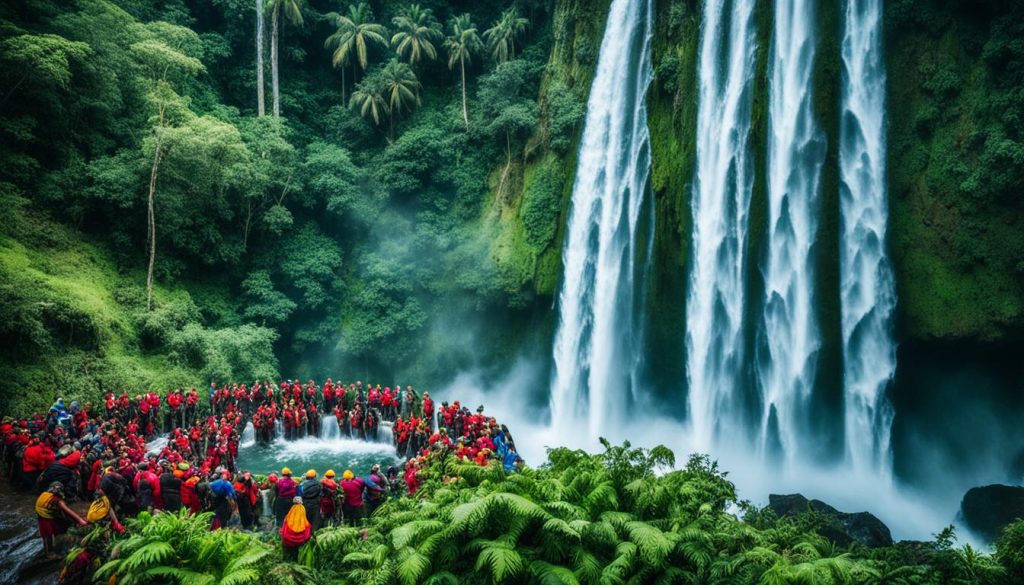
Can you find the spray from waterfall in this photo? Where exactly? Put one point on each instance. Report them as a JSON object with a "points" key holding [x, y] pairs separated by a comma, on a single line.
{"points": [[597, 343], [720, 204], [789, 336], [866, 282]]}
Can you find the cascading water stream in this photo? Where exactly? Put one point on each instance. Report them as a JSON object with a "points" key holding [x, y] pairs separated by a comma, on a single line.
{"points": [[866, 283], [248, 435], [720, 204], [596, 345], [789, 336]]}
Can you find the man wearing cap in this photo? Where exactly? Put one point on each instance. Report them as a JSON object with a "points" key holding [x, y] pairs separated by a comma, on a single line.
{"points": [[352, 505], [310, 490], [284, 490], [328, 498]]}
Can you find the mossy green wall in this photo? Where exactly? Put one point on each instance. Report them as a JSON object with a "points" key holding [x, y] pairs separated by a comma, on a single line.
{"points": [[958, 256], [577, 28], [827, 422], [672, 121]]}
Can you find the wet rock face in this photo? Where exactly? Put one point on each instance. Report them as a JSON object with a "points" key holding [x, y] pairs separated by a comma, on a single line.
{"points": [[843, 528], [988, 509], [21, 550]]}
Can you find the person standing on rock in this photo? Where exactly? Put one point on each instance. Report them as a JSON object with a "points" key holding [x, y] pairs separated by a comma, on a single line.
{"points": [[53, 514]]}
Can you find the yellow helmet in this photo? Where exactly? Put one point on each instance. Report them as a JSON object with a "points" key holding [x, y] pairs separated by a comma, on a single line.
{"points": [[286, 471], [348, 474], [329, 473], [311, 473]]}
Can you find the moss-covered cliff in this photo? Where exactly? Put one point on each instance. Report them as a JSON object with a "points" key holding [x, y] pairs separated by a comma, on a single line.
{"points": [[529, 204], [956, 167], [672, 120]]}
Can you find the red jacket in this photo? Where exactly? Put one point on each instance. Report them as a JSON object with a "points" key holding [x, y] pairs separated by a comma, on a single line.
{"points": [[353, 489], [36, 458]]}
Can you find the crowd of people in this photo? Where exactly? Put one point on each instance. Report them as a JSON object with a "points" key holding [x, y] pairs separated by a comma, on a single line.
{"points": [[109, 459]]}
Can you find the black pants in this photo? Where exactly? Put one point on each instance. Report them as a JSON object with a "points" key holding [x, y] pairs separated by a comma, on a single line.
{"points": [[281, 507], [245, 512], [352, 514], [313, 515], [172, 504]]}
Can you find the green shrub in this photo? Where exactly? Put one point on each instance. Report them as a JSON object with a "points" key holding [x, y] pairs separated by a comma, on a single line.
{"points": [[542, 204]]}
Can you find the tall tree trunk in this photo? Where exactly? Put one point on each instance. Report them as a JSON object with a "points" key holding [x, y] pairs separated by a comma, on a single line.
{"points": [[151, 220], [343, 104], [261, 105], [465, 112], [273, 63]]}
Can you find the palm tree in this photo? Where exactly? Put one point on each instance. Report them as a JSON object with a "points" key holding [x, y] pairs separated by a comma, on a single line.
{"points": [[356, 32], [501, 38], [369, 99], [401, 89], [461, 46], [261, 105], [417, 31], [293, 13]]}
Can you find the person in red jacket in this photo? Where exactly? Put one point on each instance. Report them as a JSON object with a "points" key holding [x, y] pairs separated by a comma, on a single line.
{"points": [[428, 410], [352, 504], [37, 457], [411, 481]]}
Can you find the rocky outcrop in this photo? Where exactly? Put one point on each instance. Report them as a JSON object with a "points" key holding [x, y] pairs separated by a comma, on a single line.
{"points": [[988, 509], [843, 528]]}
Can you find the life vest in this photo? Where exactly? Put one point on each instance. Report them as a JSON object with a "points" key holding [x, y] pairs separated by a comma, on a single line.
{"points": [[46, 506], [98, 510]]}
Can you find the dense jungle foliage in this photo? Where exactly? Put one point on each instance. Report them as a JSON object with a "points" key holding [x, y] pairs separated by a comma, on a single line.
{"points": [[361, 222], [406, 205], [622, 516]]}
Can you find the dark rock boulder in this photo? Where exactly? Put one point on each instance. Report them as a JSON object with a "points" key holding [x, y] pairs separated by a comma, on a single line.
{"points": [[843, 528], [986, 510]]}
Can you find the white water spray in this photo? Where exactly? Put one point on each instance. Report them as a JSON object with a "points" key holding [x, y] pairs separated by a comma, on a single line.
{"points": [[329, 430], [721, 200], [596, 350], [248, 435], [866, 282], [790, 338]]}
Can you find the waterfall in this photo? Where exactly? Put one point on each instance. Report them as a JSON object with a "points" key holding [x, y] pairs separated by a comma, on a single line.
{"points": [[278, 429], [596, 349], [329, 428], [267, 501], [248, 435], [722, 188], [386, 432], [789, 336], [866, 281]]}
